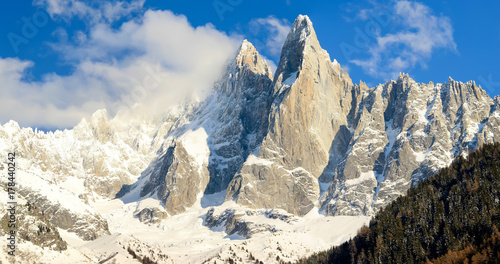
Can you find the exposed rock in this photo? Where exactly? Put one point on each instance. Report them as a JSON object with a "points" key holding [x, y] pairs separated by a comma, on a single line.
{"points": [[87, 225], [241, 99], [281, 215], [234, 221], [403, 132], [151, 215], [181, 178], [33, 225], [230, 220], [311, 101]]}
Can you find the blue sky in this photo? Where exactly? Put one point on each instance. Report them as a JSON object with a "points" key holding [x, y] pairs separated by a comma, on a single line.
{"points": [[60, 60]]}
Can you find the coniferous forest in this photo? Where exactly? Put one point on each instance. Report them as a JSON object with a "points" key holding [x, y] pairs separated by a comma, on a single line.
{"points": [[451, 217]]}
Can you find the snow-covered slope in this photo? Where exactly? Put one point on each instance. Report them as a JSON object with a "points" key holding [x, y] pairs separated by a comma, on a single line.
{"points": [[186, 237], [63, 173]]}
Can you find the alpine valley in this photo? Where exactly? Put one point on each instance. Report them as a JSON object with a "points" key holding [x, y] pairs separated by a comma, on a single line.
{"points": [[267, 167]]}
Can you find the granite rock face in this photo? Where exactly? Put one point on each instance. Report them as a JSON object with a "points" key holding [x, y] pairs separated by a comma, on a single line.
{"points": [[403, 132], [242, 222], [311, 100], [88, 225], [179, 179]]}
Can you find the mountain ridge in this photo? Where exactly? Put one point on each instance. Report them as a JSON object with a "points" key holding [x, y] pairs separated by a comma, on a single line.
{"points": [[305, 138], [368, 144]]}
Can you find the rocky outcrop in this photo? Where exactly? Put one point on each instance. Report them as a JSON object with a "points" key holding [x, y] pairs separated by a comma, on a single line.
{"points": [[237, 221], [151, 215], [87, 225], [33, 225], [241, 101], [403, 132], [182, 175], [230, 221], [491, 128], [311, 101]]}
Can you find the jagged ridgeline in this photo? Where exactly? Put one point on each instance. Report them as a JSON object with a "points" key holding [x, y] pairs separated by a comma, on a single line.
{"points": [[452, 217], [267, 140], [272, 141]]}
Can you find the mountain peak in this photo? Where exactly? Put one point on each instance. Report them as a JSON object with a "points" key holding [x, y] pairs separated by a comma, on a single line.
{"points": [[404, 77], [100, 114], [301, 29], [301, 18], [300, 39], [246, 47], [247, 56]]}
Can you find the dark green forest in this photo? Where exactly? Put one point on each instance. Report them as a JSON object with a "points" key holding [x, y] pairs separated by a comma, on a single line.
{"points": [[451, 217]]}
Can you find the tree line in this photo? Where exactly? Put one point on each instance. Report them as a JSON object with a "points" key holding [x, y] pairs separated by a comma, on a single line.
{"points": [[451, 217]]}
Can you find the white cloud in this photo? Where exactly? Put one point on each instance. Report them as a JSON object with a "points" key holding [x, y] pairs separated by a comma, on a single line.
{"points": [[156, 59], [276, 31], [422, 33], [91, 12], [45, 103]]}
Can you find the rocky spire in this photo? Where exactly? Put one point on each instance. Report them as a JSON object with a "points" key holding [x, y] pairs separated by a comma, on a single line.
{"points": [[311, 101], [302, 29], [248, 55], [245, 63], [300, 37]]}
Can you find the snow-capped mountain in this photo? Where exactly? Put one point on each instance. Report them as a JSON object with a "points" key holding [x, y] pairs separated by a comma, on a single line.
{"points": [[203, 155], [402, 132], [312, 126], [260, 155]]}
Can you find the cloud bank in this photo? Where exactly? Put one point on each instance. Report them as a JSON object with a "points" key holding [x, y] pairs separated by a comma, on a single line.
{"points": [[156, 59]]}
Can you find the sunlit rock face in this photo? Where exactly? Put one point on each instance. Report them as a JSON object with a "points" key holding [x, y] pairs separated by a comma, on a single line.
{"points": [[300, 138]]}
